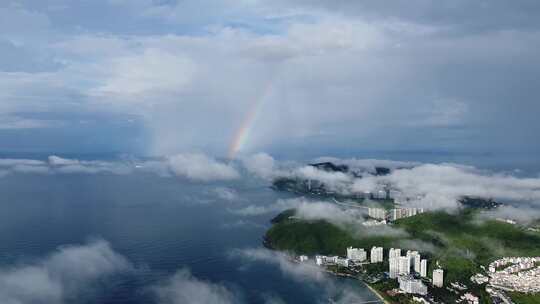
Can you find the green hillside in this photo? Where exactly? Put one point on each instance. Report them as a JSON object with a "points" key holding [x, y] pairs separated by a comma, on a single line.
{"points": [[459, 242]]}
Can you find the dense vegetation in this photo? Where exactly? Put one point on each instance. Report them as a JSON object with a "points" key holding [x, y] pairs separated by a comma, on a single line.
{"points": [[316, 237], [522, 298], [463, 244]]}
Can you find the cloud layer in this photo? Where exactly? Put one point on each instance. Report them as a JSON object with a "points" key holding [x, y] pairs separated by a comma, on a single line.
{"points": [[415, 75], [184, 288], [60, 276], [432, 186], [201, 167], [195, 167], [413, 184], [440, 186], [306, 273]]}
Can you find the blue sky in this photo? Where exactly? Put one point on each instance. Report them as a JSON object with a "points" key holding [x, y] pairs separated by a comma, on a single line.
{"points": [[162, 77]]}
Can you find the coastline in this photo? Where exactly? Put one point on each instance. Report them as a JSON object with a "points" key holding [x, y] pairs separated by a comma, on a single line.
{"points": [[377, 293], [338, 274]]}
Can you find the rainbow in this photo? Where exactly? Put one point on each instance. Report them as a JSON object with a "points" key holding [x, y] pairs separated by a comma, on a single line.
{"points": [[243, 133]]}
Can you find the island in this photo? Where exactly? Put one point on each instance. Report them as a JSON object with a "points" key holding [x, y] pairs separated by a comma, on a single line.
{"points": [[457, 243], [311, 187], [438, 256]]}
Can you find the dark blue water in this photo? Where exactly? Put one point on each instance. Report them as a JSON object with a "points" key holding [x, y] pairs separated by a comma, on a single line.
{"points": [[159, 224]]}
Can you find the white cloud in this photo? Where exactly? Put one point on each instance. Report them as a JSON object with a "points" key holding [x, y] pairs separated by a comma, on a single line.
{"points": [[305, 273], [197, 167], [30, 166], [348, 218], [327, 36], [30, 169], [201, 168], [63, 274], [417, 245], [158, 167], [67, 166], [276, 207], [261, 164], [184, 288], [226, 194], [441, 185], [333, 181], [299, 272], [432, 186], [153, 71], [243, 224], [9, 162], [521, 214], [59, 161], [18, 123], [59, 165], [308, 210], [330, 212]]}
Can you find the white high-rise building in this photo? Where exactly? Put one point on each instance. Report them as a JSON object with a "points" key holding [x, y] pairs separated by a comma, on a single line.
{"points": [[411, 285], [423, 268], [394, 267], [438, 277], [417, 263], [332, 259], [320, 260], [404, 265], [394, 253], [377, 213], [415, 260], [356, 254], [376, 255], [342, 262], [398, 213]]}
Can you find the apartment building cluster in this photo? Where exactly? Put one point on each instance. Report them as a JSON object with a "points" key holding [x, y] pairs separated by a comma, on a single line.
{"points": [[393, 214], [321, 260], [354, 256], [409, 284], [406, 269], [402, 268], [521, 274], [402, 265]]}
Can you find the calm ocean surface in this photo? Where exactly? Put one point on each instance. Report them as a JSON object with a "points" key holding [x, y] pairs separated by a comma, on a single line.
{"points": [[159, 224]]}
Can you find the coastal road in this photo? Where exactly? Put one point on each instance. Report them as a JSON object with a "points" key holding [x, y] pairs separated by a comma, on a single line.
{"points": [[349, 205]]}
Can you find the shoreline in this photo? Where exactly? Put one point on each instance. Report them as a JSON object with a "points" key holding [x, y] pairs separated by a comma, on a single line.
{"points": [[376, 292], [351, 277]]}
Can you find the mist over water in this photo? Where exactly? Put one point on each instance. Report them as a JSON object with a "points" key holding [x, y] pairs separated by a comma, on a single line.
{"points": [[160, 225], [174, 233]]}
